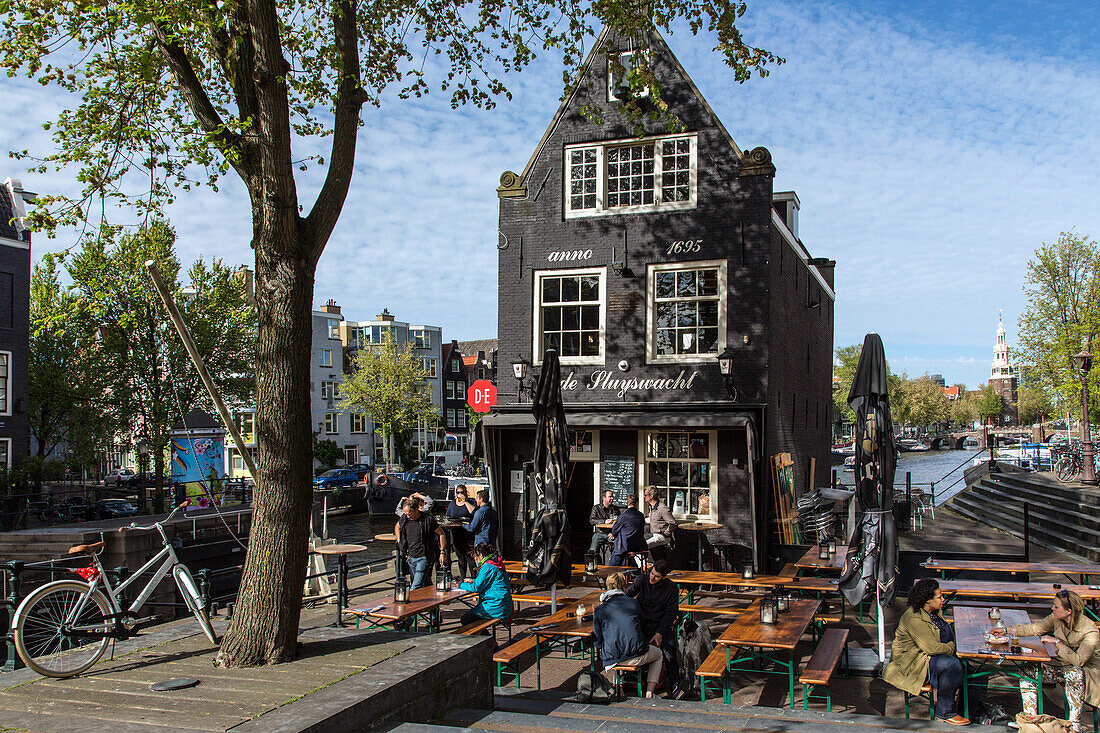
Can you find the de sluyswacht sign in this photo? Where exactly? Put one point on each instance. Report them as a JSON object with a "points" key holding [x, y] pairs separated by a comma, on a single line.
{"points": [[605, 380]]}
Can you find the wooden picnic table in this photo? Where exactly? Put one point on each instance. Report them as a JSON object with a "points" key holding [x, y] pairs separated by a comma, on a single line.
{"points": [[997, 589], [1081, 570], [760, 641], [811, 561], [341, 552], [981, 659], [564, 626], [423, 602], [518, 568]]}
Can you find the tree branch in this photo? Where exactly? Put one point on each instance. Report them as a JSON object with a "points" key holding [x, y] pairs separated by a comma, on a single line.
{"points": [[349, 101]]}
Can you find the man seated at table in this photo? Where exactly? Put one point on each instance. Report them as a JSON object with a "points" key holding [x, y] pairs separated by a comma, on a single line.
{"points": [[602, 513], [617, 630], [484, 524], [491, 584], [421, 541], [924, 650], [659, 598], [627, 533], [1076, 662], [662, 524]]}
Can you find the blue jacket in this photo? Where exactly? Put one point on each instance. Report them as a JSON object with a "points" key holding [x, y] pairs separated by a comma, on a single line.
{"points": [[629, 532], [484, 525], [617, 628], [492, 585]]}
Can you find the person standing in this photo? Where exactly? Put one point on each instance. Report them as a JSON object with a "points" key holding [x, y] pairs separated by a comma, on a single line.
{"points": [[924, 650], [617, 631], [485, 521], [627, 533], [421, 541], [1076, 662], [602, 513], [462, 541], [662, 524], [659, 599]]}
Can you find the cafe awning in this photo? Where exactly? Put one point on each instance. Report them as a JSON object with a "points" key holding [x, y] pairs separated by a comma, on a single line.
{"points": [[672, 419]]}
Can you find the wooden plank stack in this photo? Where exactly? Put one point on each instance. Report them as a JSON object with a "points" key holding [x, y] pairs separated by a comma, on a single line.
{"points": [[786, 517]]}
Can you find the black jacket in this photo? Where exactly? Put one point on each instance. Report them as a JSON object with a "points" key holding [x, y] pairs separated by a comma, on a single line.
{"points": [[617, 630], [660, 604], [600, 514], [629, 532]]}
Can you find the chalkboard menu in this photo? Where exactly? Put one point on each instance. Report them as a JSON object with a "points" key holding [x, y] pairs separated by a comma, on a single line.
{"points": [[618, 476]]}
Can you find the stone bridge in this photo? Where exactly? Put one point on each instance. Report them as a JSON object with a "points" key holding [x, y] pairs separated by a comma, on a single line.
{"points": [[985, 437]]}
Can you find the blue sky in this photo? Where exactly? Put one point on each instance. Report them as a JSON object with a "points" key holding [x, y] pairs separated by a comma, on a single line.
{"points": [[933, 145]]}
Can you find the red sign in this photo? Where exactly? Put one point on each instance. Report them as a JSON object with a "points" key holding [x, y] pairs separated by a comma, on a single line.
{"points": [[482, 395]]}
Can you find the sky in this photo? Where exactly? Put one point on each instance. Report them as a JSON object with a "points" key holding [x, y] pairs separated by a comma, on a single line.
{"points": [[933, 145]]}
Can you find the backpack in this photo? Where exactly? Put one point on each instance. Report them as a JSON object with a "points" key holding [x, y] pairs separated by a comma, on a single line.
{"points": [[592, 687], [1042, 724]]}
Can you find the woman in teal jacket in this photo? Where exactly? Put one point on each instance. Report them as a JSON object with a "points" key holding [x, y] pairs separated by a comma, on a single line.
{"points": [[491, 584]]}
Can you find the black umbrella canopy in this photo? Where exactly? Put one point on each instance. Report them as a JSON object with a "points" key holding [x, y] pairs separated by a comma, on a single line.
{"points": [[547, 556], [871, 564]]}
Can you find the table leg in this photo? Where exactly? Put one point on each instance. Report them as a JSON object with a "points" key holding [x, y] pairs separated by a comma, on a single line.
{"points": [[700, 565], [790, 677], [538, 663], [554, 598], [341, 588]]}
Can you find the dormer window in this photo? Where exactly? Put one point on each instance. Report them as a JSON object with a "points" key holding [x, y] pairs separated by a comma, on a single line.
{"points": [[618, 77], [631, 176]]}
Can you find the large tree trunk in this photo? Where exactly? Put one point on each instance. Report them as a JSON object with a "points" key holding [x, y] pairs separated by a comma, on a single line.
{"points": [[264, 629]]}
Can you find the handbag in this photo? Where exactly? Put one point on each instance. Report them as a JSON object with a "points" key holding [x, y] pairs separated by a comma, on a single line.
{"points": [[592, 687], [1042, 724]]}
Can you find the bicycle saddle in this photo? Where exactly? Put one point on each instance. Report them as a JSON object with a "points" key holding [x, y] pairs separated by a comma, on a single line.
{"points": [[81, 549]]}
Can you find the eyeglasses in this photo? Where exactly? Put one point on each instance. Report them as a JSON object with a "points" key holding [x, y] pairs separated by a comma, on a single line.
{"points": [[1062, 594]]}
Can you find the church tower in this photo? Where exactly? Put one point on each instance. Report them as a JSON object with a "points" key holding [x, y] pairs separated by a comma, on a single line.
{"points": [[1003, 379]]}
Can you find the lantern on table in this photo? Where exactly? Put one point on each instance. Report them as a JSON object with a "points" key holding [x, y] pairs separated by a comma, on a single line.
{"points": [[823, 549], [832, 546], [591, 564], [768, 611], [443, 580], [782, 599], [746, 571], [401, 590]]}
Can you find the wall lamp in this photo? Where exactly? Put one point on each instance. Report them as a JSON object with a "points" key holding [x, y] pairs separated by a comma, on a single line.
{"points": [[725, 366], [519, 370]]}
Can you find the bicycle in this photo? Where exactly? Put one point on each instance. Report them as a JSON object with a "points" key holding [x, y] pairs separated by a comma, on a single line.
{"points": [[63, 628], [1069, 466]]}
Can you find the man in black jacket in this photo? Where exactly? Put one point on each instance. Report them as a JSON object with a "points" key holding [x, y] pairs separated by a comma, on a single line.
{"points": [[628, 532], [659, 598], [602, 513]]}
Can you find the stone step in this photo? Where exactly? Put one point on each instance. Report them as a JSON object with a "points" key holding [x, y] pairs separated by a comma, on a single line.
{"points": [[1043, 513], [1040, 495], [1050, 539], [1084, 494]]}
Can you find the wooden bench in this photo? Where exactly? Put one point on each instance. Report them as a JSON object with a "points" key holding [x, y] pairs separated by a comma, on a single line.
{"points": [[476, 627], [819, 670], [634, 669], [509, 657], [518, 598], [714, 668]]}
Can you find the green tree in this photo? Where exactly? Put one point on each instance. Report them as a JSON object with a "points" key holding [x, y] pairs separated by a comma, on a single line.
{"points": [[964, 410], [174, 94], [1062, 316], [150, 382], [327, 453], [921, 402], [989, 403], [1032, 403], [389, 383], [844, 370]]}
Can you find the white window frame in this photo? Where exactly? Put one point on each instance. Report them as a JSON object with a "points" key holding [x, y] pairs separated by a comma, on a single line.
{"points": [[611, 78], [421, 338], [536, 336], [357, 417], [7, 442], [712, 459], [450, 418], [329, 389], [326, 357], [332, 423], [460, 390], [454, 366], [460, 418], [601, 177], [334, 329], [652, 357], [5, 385], [430, 366]]}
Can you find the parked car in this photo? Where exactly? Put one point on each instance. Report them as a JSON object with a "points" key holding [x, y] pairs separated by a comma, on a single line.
{"points": [[111, 508], [361, 469], [337, 478], [120, 477], [77, 508]]}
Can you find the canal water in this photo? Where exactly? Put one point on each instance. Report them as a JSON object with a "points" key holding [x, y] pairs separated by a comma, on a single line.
{"points": [[945, 467]]}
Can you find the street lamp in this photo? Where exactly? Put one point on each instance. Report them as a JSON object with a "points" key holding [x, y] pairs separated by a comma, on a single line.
{"points": [[143, 462], [1083, 361], [725, 366], [519, 370]]}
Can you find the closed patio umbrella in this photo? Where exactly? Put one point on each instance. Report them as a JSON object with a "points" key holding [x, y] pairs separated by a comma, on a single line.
{"points": [[547, 554], [870, 567]]}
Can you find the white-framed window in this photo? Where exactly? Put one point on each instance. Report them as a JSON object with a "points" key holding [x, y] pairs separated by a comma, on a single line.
{"points": [[460, 390], [682, 465], [631, 176], [454, 366], [421, 339], [326, 357], [329, 390], [5, 384], [618, 79], [450, 418], [569, 314], [450, 390], [685, 311], [584, 445], [460, 418], [428, 363], [334, 329], [332, 423], [358, 422], [246, 424], [5, 453]]}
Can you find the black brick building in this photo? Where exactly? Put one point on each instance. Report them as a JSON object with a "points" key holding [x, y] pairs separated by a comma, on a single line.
{"points": [[15, 284], [641, 259]]}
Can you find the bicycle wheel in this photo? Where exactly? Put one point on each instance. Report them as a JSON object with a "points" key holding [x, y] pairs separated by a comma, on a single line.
{"points": [[1066, 470], [46, 643]]}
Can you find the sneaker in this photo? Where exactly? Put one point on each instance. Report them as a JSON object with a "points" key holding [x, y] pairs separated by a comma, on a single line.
{"points": [[956, 719]]}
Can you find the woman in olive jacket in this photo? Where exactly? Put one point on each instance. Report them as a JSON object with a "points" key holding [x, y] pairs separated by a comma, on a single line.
{"points": [[924, 650], [1076, 662]]}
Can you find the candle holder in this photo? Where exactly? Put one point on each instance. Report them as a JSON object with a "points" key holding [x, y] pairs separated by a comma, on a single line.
{"points": [[782, 599], [823, 550], [443, 579], [768, 612], [832, 546], [401, 591], [591, 564], [746, 571]]}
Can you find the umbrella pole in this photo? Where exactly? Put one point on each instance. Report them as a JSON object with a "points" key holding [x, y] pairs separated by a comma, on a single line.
{"points": [[881, 626]]}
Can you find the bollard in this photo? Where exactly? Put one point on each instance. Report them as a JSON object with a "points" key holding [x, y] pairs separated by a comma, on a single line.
{"points": [[10, 601], [229, 611], [204, 587]]}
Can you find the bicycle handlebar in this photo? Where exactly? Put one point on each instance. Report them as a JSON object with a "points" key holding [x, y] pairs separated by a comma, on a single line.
{"points": [[154, 525]]}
